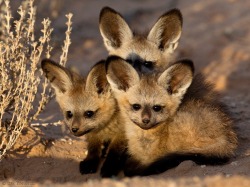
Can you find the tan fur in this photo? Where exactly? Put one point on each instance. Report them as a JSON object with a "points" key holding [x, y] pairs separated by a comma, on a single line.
{"points": [[141, 48], [157, 47], [78, 95], [200, 131], [194, 126]]}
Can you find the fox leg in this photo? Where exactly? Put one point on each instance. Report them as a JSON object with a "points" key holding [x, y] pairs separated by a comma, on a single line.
{"points": [[133, 167], [115, 159], [91, 162]]}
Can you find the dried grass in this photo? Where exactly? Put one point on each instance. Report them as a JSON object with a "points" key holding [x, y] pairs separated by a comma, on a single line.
{"points": [[20, 54]]}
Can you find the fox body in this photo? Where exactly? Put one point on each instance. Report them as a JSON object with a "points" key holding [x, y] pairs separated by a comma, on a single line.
{"points": [[90, 109], [162, 125]]}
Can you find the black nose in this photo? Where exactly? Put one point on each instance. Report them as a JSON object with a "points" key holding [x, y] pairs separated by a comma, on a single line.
{"points": [[75, 130], [146, 121]]}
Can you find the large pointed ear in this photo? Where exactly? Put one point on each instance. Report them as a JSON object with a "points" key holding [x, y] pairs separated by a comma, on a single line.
{"points": [[96, 79], [60, 78], [167, 31], [114, 29], [177, 78], [120, 74]]}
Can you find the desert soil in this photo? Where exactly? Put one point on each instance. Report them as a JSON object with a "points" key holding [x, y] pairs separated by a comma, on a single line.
{"points": [[216, 36]]}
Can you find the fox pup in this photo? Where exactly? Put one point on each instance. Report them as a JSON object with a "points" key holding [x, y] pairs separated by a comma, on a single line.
{"points": [[162, 126], [152, 53], [149, 53], [90, 109]]}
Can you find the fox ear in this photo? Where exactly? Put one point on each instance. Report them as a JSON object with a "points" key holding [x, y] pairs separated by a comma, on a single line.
{"points": [[96, 79], [120, 74], [114, 29], [177, 78], [60, 78], [167, 31]]}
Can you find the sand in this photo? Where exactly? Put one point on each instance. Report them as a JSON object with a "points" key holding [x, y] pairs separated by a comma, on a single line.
{"points": [[216, 36]]}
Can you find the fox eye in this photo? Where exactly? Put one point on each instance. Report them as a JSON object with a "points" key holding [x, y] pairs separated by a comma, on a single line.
{"points": [[88, 114], [148, 64], [69, 114], [136, 107], [157, 108]]}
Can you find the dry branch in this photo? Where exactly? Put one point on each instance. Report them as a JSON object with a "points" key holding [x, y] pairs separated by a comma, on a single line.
{"points": [[20, 77]]}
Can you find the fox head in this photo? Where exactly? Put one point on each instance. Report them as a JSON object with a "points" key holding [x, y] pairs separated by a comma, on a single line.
{"points": [[87, 104], [146, 54], [149, 100]]}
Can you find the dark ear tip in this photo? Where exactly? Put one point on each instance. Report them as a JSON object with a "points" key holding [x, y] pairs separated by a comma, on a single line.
{"points": [[177, 12], [189, 63], [105, 10], [46, 61], [114, 58], [99, 63], [111, 59]]}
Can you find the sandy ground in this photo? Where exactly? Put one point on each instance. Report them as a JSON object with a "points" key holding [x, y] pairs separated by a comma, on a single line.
{"points": [[216, 36]]}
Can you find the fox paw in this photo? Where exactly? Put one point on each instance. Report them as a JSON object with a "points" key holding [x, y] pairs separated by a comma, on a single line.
{"points": [[109, 171], [89, 166], [113, 164]]}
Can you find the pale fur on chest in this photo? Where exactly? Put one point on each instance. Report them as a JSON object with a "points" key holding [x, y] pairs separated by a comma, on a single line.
{"points": [[112, 130], [143, 145]]}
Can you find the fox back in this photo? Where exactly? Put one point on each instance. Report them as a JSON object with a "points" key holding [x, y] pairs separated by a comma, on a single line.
{"points": [[146, 53], [159, 122]]}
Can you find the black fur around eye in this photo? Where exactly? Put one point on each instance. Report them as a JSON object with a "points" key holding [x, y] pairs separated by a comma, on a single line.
{"points": [[89, 114], [129, 61], [137, 61], [136, 107], [148, 64], [69, 114], [157, 108]]}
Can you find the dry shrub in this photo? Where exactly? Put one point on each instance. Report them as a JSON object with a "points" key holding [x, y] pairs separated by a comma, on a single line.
{"points": [[20, 53]]}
